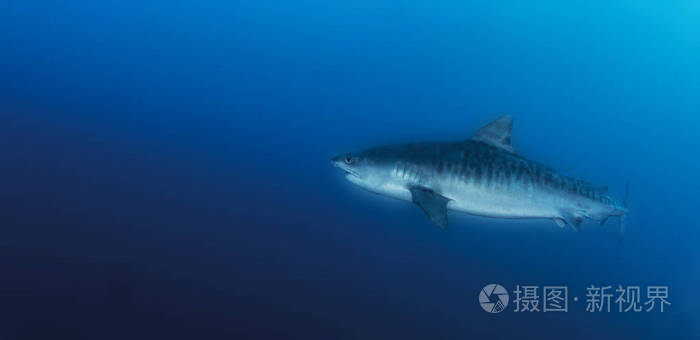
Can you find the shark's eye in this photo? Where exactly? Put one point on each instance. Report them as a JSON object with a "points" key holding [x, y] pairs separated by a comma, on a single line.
{"points": [[348, 159]]}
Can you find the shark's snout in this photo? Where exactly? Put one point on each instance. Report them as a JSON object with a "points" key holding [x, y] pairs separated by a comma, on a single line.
{"points": [[344, 163], [337, 161]]}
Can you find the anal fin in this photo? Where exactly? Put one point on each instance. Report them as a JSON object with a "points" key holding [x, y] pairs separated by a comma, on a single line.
{"points": [[560, 222], [575, 219]]}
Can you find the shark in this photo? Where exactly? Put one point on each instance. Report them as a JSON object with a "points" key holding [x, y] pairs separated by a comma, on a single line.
{"points": [[483, 176]]}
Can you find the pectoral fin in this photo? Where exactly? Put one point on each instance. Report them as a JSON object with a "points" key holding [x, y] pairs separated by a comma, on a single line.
{"points": [[433, 204]]}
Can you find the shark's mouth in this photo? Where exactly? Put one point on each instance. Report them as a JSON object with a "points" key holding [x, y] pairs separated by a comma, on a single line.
{"points": [[346, 169], [350, 172]]}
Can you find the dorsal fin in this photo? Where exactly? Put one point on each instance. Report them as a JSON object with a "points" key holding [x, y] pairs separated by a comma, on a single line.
{"points": [[496, 133]]}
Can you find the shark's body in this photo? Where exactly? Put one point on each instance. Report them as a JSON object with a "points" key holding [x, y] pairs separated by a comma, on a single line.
{"points": [[481, 176]]}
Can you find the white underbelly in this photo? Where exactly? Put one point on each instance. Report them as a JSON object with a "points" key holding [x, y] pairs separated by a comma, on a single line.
{"points": [[503, 202]]}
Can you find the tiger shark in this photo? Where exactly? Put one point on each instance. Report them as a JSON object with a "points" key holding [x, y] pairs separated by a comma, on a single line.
{"points": [[482, 176]]}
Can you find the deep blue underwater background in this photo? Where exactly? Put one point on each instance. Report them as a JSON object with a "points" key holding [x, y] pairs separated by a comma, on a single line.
{"points": [[164, 166]]}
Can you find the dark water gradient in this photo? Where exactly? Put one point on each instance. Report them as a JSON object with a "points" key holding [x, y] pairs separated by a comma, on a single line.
{"points": [[164, 165]]}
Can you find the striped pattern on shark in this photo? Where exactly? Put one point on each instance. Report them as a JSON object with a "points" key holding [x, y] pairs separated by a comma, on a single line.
{"points": [[482, 175]]}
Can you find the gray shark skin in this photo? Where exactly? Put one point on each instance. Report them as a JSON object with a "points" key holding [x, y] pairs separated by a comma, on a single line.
{"points": [[482, 176]]}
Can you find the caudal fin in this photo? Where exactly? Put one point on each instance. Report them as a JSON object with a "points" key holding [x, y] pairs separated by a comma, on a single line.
{"points": [[623, 217], [627, 194]]}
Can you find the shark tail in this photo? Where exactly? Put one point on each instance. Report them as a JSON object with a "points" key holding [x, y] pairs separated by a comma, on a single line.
{"points": [[623, 217], [621, 213]]}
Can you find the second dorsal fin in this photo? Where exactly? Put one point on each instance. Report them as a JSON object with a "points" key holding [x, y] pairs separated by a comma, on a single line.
{"points": [[496, 133]]}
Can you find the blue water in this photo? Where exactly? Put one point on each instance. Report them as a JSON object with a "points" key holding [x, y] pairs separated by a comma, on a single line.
{"points": [[164, 167]]}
